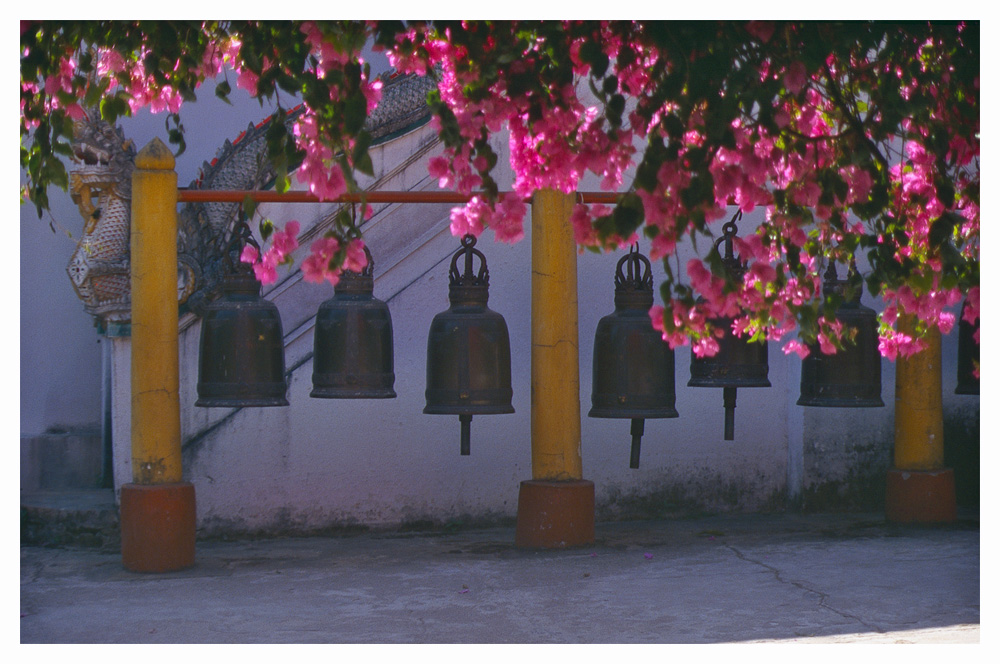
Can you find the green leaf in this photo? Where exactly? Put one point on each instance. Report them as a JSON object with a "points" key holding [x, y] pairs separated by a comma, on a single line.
{"points": [[266, 227], [364, 165], [355, 113], [222, 91], [94, 94], [282, 183], [592, 53], [249, 207]]}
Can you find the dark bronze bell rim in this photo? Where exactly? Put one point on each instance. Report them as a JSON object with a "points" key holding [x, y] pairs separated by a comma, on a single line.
{"points": [[240, 402], [456, 408], [352, 393], [840, 402], [633, 414], [229, 395], [832, 395], [371, 380], [709, 381]]}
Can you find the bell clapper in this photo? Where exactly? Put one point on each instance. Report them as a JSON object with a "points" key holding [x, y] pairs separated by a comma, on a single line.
{"points": [[729, 401], [638, 427], [466, 421]]}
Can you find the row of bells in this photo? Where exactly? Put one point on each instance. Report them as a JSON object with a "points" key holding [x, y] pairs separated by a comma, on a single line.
{"points": [[241, 360]]}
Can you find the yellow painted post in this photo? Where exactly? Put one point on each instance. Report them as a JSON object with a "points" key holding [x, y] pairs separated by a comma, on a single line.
{"points": [[156, 423], [157, 508], [556, 507], [919, 488], [555, 343]]}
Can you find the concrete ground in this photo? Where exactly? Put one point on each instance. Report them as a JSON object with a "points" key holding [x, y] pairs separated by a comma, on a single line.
{"points": [[724, 579]]}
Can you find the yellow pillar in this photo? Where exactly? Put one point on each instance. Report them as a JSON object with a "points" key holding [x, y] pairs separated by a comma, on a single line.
{"points": [[555, 343], [157, 508], [556, 507], [919, 488], [156, 421]]}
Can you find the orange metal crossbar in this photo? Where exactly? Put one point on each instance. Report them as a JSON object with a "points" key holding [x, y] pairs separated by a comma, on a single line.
{"points": [[238, 196]]}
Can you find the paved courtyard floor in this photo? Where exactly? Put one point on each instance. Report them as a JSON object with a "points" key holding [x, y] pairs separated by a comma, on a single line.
{"points": [[724, 579]]}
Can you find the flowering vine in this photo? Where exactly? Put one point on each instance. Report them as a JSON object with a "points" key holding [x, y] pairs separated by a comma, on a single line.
{"points": [[860, 141]]}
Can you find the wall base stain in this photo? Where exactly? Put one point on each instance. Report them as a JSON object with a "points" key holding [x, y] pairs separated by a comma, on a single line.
{"points": [[688, 499], [961, 452]]}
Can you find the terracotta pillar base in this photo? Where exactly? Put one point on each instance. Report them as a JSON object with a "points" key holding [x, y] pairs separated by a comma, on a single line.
{"points": [[555, 515], [158, 526], [920, 496]]}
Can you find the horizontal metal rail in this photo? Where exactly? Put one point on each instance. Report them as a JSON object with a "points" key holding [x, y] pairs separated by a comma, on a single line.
{"points": [[238, 196]]}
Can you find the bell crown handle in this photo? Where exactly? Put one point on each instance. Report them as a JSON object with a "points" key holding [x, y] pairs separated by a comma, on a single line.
{"points": [[469, 277], [733, 262], [240, 237], [833, 284], [358, 282], [634, 271]]}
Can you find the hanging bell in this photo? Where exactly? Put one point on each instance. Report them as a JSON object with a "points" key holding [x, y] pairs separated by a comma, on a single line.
{"points": [[739, 362], [852, 377], [352, 343], [468, 349], [968, 355], [241, 353], [633, 367]]}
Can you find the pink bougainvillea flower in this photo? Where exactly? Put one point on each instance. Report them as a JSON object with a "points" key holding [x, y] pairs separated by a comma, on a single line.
{"points": [[707, 347], [795, 77], [826, 345], [356, 260], [283, 243], [249, 254], [316, 266], [797, 347]]}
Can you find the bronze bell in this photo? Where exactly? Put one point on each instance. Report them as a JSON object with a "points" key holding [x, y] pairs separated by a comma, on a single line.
{"points": [[739, 362], [352, 342], [468, 349], [968, 355], [242, 353], [852, 377], [633, 366]]}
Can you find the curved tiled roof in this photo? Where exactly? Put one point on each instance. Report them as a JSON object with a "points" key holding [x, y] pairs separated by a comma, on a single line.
{"points": [[403, 106], [240, 164]]}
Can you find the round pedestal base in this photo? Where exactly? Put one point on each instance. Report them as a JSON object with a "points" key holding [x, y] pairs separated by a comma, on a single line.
{"points": [[920, 496], [158, 526], [555, 515]]}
